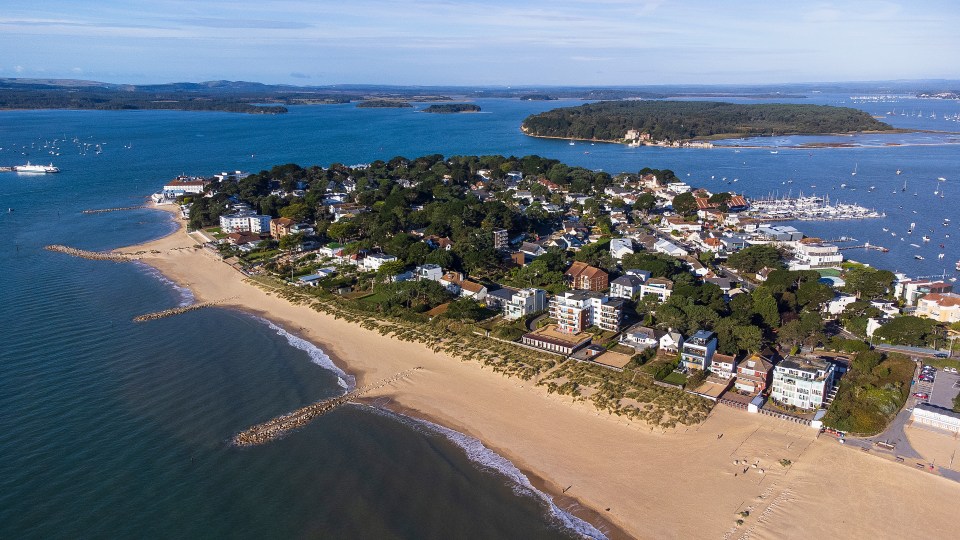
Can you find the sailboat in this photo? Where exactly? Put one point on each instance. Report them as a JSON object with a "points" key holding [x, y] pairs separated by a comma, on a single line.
{"points": [[854, 173], [904, 186], [899, 171]]}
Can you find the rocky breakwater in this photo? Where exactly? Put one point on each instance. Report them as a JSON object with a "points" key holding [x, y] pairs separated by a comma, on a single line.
{"points": [[118, 209], [177, 311], [273, 429], [93, 255]]}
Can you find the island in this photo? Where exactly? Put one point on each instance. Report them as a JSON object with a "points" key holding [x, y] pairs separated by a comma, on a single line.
{"points": [[450, 108], [383, 104], [677, 122], [537, 97]]}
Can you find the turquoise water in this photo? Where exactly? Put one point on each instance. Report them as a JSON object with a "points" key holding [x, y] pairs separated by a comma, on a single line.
{"points": [[118, 429]]}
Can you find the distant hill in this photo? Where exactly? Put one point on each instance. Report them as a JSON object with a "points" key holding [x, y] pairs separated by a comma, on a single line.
{"points": [[686, 120]]}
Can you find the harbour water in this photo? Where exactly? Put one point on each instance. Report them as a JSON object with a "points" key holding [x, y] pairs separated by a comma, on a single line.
{"points": [[113, 428]]}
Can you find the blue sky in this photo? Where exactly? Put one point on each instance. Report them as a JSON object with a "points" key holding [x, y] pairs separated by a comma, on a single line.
{"points": [[586, 42]]}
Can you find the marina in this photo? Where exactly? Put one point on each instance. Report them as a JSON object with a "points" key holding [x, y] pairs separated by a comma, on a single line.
{"points": [[810, 208]]}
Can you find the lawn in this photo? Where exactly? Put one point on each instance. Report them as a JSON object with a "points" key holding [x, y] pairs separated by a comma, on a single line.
{"points": [[675, 377]]}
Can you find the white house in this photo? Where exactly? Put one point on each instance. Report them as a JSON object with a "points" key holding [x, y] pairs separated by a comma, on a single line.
{"points": [[723, 365], [374, 261], [432, 272], [839, 304], [660, 287], [625, 286], [662, 246], [640, 337], [620, 247], [671, 342], [810, 255]]}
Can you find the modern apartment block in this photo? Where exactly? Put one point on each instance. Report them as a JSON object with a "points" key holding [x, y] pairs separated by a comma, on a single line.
{"points": [[697, 351], [524, 302], [802, 382], [576, 310]]}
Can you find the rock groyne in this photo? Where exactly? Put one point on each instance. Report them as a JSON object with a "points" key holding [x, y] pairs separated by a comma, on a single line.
{"points": [[93, 255], [177, 311], [273, 429], [103, 210]]}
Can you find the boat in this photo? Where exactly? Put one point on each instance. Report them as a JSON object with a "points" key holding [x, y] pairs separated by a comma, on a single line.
{"points": [[904, 186], [926, 238], [940, 256], [918, 257], [885, 229], [854, 173], [957, 266], [942, 179], [899, 171], [571, 143], [40, 169], [774, 151]]}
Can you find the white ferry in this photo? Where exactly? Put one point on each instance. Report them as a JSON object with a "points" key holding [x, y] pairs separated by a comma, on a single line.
{"points": [[40, 169]]}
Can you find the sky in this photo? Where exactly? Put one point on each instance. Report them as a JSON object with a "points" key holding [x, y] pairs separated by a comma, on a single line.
{"points": [[495, 42]]}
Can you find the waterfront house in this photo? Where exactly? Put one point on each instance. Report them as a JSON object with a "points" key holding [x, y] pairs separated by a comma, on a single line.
{"points": [[580, 275], [754, 373], [811, 253], [497, 298], [802, 382], [723, 365], [697, 351], [640, 337], [670, 342]]}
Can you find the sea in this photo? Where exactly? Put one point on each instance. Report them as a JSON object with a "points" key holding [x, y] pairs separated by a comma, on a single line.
{"points": [[116, 429]]}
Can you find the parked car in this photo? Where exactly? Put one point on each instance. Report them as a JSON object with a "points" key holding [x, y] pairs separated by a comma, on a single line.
{"points": [[921, 395], [941, 355]]}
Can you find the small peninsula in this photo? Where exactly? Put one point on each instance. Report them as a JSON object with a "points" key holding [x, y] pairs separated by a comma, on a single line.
{"points": [[671, 122], [383, 104], [449, 108]]}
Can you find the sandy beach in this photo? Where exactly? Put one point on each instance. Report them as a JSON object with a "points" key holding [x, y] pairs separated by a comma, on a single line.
{"points": [[682, 483]]}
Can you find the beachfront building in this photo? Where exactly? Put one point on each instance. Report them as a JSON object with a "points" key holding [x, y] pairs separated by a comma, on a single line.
{"points": [[671, 342], [576, 310], [625, 286], [698, 350], [945, 419], [942, 307], [549, 338], [659, 287], [802, 382], [811, 254], [458, 284], [524, 302], [582, 276], [640, 337], [245, 221], [723, 365], [182, 185], [753, 374]]}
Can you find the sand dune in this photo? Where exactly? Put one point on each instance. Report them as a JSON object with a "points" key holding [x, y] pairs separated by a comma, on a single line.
{"points": [[651, 484]]}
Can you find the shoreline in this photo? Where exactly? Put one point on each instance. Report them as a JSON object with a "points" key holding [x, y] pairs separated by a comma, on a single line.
{"points": [[649, 479]]}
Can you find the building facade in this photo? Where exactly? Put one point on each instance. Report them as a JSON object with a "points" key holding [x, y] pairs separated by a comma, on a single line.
{"points": [[576, 310], [802, 382], [753, 374], [525, 302], [582, 276], [697, 351]]}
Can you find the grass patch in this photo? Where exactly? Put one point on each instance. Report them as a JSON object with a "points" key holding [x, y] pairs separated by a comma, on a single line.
{"points": [[675, 378]]}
